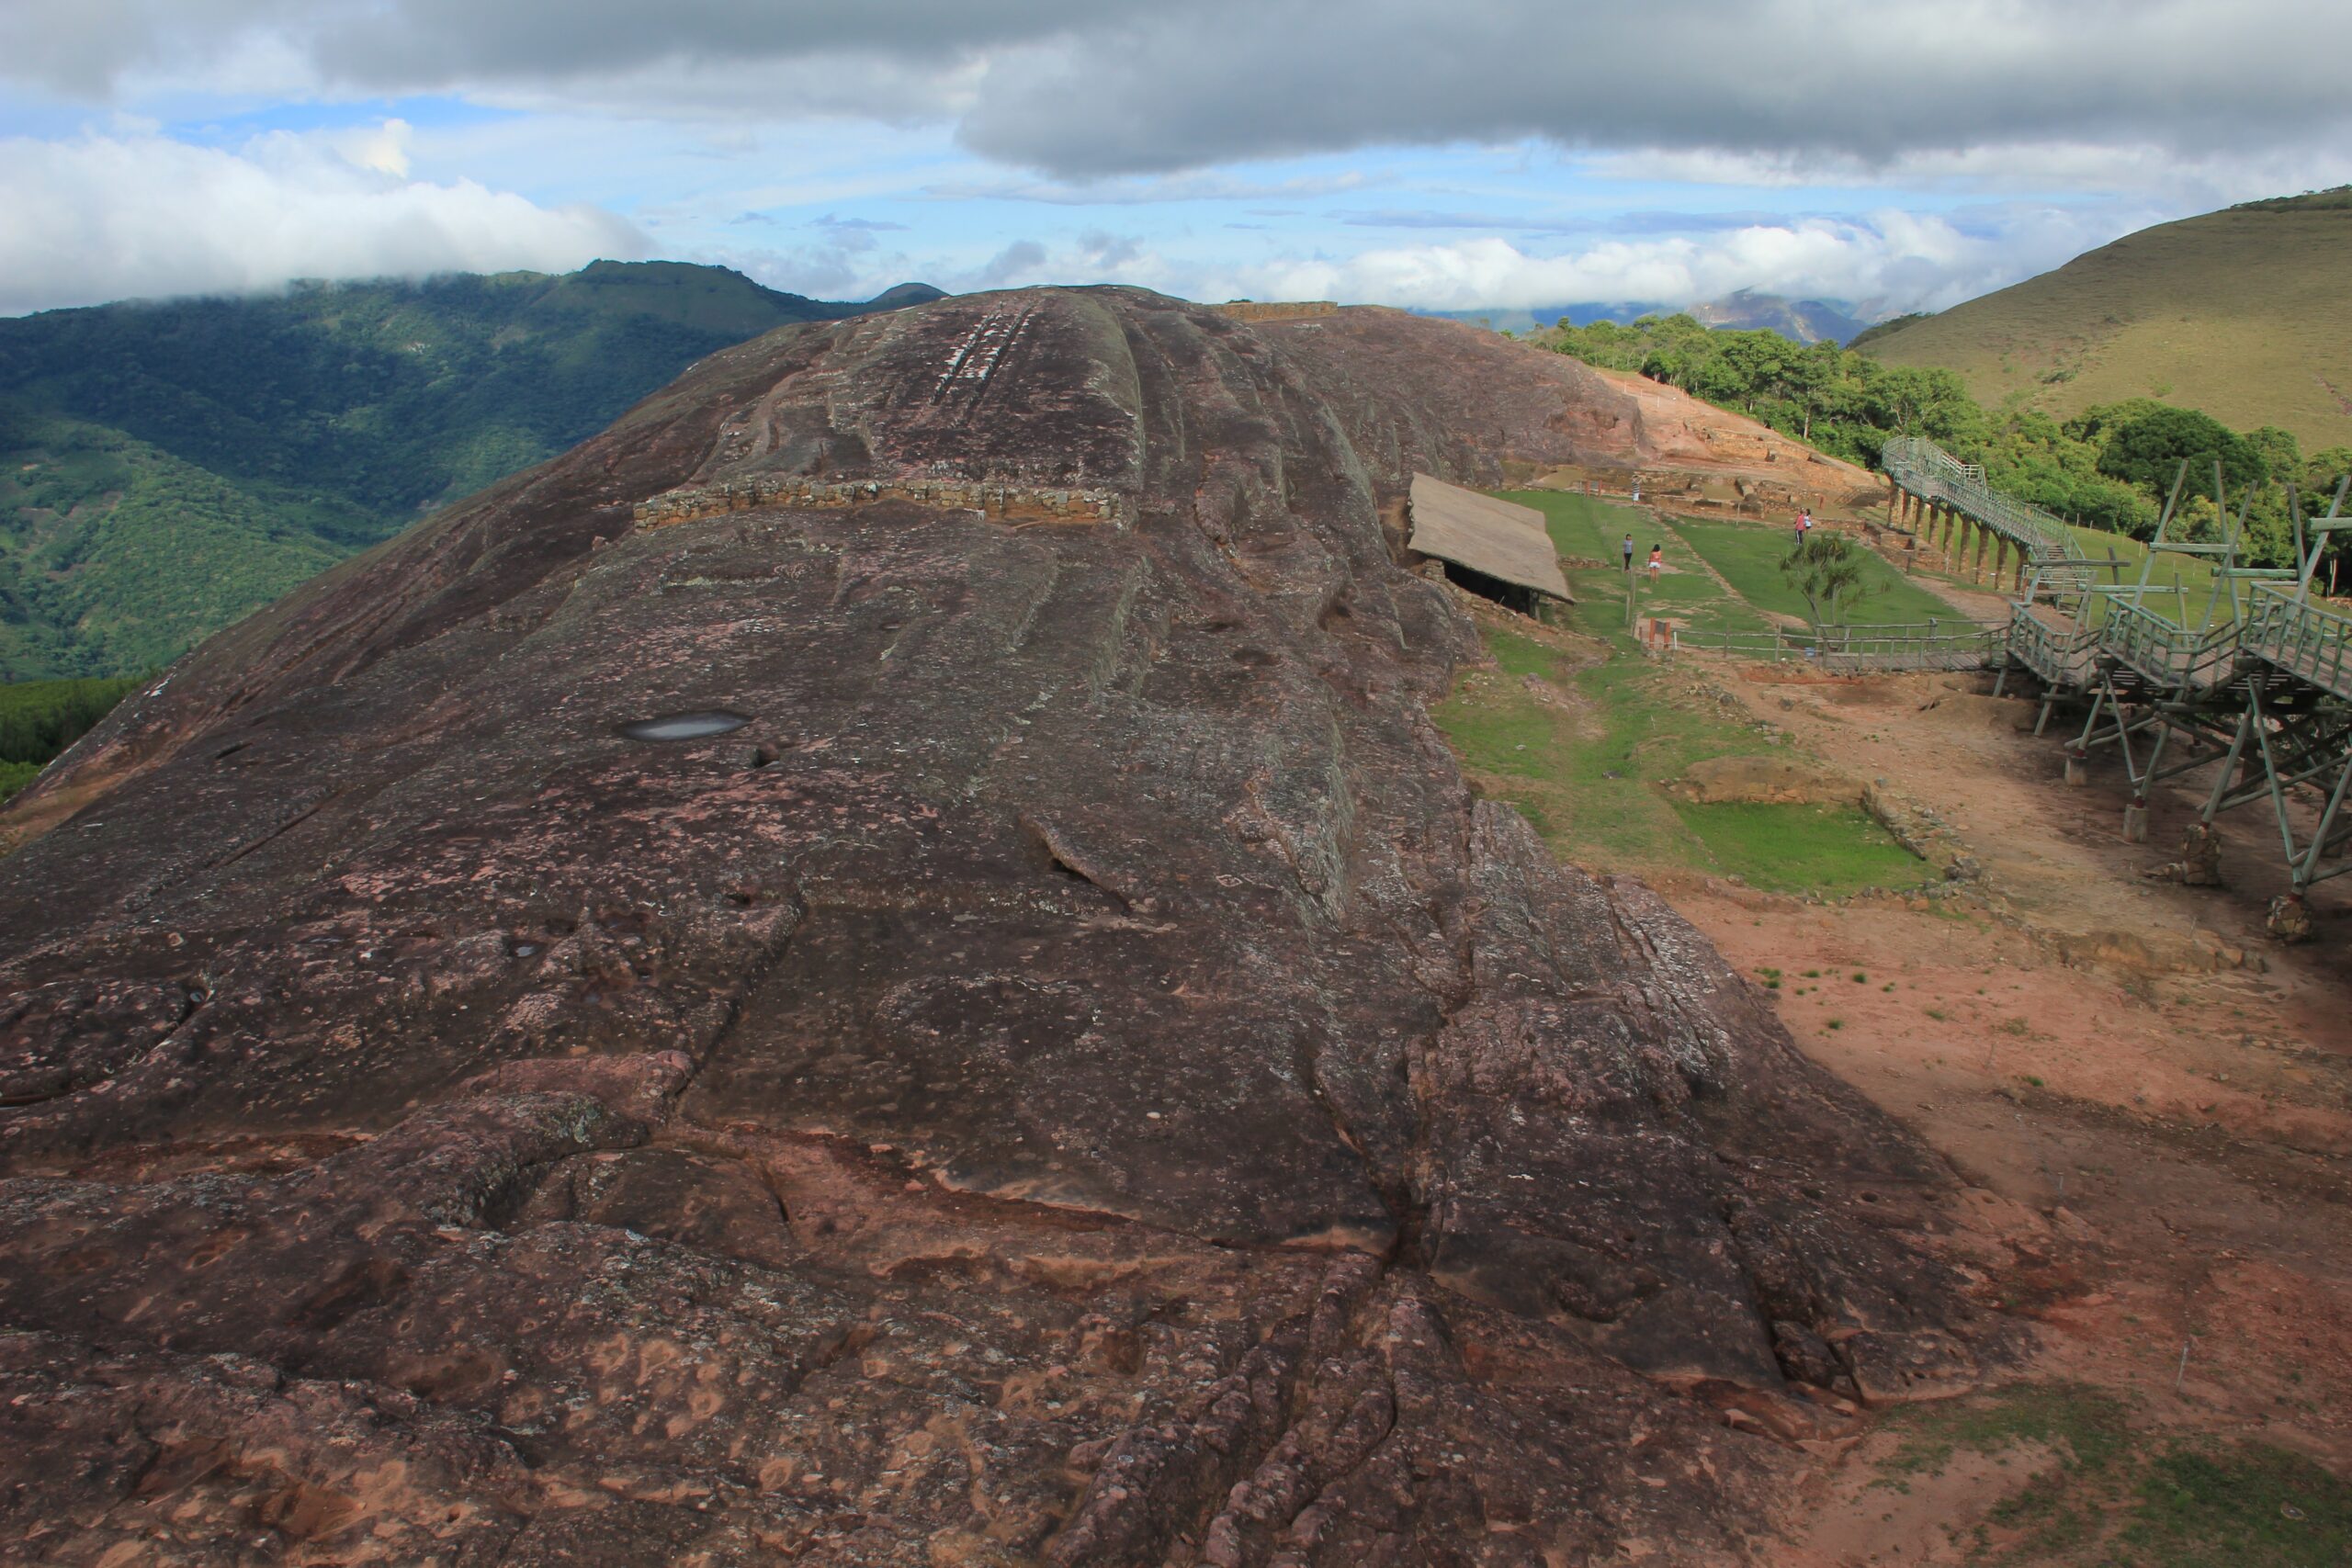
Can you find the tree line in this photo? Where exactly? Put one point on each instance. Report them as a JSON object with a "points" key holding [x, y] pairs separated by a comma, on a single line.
{"points": [[2108, 467], [40, 718]]}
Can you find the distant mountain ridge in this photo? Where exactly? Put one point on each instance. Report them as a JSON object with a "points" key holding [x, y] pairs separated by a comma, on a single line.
{"points": [[1801, 321], [166, 467], [2245, 313]]}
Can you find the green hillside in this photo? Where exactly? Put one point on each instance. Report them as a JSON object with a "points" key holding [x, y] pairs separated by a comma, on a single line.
{"points": [[115, 556], [2110, 465], [2245, 314], [167, 467], [40, 719]]}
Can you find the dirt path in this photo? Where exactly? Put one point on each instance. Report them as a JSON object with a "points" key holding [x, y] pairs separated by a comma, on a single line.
{"points": [[2154, 1101]]}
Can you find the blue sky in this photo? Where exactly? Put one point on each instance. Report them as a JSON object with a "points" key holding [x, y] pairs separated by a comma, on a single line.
{"points": [[1485, 154]]}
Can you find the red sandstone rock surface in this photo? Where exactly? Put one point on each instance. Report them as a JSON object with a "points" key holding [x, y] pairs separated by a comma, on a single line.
{"points": [[1074, 1078], [1471, 401]]}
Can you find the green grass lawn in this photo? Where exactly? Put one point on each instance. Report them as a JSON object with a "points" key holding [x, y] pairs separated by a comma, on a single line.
{"points": [[1590, 782], [1830, 849], [1587, 528], [1749, 556], [2118, 1495], [1579, 525], [1588, 777]]}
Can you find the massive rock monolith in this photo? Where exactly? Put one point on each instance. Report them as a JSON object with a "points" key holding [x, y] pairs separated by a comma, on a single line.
{"points": [[1072, 1077]]}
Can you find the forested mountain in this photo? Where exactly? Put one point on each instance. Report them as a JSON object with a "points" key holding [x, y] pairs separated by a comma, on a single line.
{"points": [[1803, 320], [165, 467]]}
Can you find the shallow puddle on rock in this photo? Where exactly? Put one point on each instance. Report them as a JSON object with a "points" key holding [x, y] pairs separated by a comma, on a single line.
{"points": [[683, 726]]}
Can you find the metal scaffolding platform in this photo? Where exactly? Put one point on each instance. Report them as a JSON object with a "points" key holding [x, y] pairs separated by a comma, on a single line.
{"points": [[2260, 684]]}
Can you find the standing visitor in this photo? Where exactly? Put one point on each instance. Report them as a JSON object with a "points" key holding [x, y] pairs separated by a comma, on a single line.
{"points": [[1629, 552], [1657, 560]]}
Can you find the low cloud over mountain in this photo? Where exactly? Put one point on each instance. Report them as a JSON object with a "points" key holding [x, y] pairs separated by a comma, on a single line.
{"points": [[105, 217]]}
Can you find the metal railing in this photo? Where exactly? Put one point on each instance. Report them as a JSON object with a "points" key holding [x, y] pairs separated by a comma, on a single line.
{"points": [[2063, 655], [1929, 471], [2166, 652], [1926, 645], [2311, 641]]}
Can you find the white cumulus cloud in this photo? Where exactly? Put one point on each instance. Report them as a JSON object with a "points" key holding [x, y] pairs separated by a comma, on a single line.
{"points": [[1893, 262], [110, 216]]}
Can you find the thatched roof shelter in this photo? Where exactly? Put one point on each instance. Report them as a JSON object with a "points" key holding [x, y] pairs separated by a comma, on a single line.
{"points": [[1495, 538]]}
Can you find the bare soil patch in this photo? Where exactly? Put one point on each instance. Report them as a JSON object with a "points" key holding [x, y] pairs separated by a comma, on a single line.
{"points": [[2155, 1099]]}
